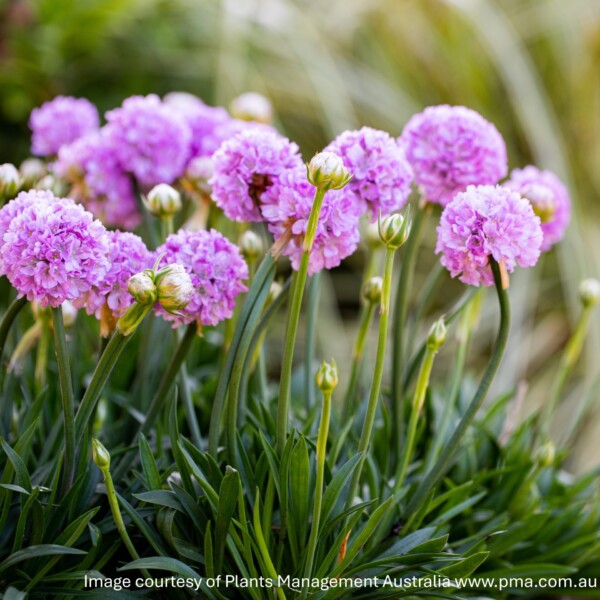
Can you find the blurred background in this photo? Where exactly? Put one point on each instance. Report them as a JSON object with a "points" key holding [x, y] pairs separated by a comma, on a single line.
{"points": [[530, 66]]}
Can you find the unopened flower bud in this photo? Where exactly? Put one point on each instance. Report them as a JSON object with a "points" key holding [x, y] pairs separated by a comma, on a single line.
{"points": [[100, 455], [10, 180], [589, 292], [252, 106], [52, 184], [372, 289], [69, 313], [545, 455], [371, 236], [437, 335], [274, 292], [163, 201], [394, 230], [198, 174], [142, 287], [32, 170], [326, 171], [251, 246], [175, 288], [327, 377]]}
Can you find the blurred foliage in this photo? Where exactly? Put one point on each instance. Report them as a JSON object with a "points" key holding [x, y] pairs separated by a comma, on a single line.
{"points": [[530, 66]]}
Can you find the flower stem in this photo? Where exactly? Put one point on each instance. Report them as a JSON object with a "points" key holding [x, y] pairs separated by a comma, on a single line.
{"points": [[314, 288], [366, 317], [102, 372], [168, 378], [399, 325], [567, 362], [417, 405], [68, 403], [320, 475], [113, 502], [285, 383], [367, 429], [449, 451], [11, 314]]}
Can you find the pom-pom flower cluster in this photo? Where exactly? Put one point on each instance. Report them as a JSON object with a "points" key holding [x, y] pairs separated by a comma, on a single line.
{"points": [[487, 222]]}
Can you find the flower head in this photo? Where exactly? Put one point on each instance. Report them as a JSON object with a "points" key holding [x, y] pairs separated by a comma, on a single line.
{"points": [[202, 120], [246, 166], [174, 287], [381, 175], [127, 255], [217, 271], [450, 148], [286, 208], [55, 251], [61, 121], [549, 198], [151, 141], [97, 179], [163, 200], [487, 221], [15, 207], [10, 180]]}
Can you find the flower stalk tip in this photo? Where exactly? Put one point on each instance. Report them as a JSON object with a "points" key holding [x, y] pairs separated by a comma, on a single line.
{"points": [[100, 454], [589, 292], [327, 377], [163, 201], [394, 230]]}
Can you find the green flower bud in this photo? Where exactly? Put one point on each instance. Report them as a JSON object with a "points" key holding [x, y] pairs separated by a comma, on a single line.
{"points": [[32, 170], [372, 289], [589, 292], [163, 201], [327, 377], [50, 183], [142, 287], [198, 174], [174, 286], [251, 246], [100, 454], [326, 171], [10, 180], [545, 455], [437, 335], [252, 106], [274, 291], [394, 230]]}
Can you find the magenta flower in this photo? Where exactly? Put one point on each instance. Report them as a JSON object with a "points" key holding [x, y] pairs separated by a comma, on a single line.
{"points": [[91, 165], [286, 208], [59, 122], [549, 198], [245, 166], [151, 141], [381, 175], [217, 270], [127, 256], [54, 251], [487, 221], [450, 148]]}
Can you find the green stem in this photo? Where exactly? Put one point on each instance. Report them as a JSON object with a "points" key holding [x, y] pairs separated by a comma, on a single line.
{"points": [[417, 405], [449, 451], [314, 287], [102, 372], [569, 358], [320, 476], [366, 317], [285, 384], [262, 279], [9, 316], [367, 429], [400, 313], [113, 502], [168, 378], [68, 403]]}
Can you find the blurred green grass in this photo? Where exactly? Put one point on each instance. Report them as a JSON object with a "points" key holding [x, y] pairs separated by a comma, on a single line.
{"points": [[530, 66]]}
